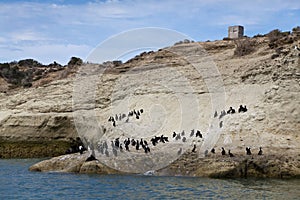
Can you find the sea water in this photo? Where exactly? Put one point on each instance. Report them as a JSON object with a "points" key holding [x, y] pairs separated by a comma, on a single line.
{"points": [[16, 182]]}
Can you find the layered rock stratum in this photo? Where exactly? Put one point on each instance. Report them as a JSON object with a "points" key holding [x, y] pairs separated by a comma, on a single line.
{"points": [[175, 87]]}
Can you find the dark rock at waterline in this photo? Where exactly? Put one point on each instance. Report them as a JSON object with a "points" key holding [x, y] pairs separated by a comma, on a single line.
{"points": [[270, 166]]}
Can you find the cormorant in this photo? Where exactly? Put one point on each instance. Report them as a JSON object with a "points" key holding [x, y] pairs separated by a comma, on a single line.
{"points": [[194, 149], [230, 154], [216, 114], [174, 134], [230, 111], [248, 150], [213, 150], [260, 151], [223, 151], [198, 133], [192, 133]]}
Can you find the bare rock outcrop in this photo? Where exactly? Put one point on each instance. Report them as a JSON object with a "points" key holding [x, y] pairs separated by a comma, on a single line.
{"points": [[214, 166], [163, 83], [73, 163]]}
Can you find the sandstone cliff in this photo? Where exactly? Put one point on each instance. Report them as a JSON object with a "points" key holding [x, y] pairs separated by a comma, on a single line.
{"points": [[266, 80]]}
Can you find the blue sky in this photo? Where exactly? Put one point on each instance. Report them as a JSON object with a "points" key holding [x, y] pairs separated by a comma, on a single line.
{"points": [[59, 29]]}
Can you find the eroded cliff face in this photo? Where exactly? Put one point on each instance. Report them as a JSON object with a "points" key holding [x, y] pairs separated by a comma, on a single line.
{"points": [[175, 87]]}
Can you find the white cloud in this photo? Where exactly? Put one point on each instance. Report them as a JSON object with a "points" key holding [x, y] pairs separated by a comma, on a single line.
{"points": [[26, 35], [46, 53], [2, 40]]}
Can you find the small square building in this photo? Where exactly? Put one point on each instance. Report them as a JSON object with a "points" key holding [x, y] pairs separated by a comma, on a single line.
{"points": [[235, 32]]}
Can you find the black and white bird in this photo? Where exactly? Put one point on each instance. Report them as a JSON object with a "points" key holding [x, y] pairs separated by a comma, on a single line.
{"points": [[174, 134], [230, 154], [223, 152], [194, 149], [81, 149], [260, 151], [216, 114], [248, 150], [213, 150], [198, 134]]}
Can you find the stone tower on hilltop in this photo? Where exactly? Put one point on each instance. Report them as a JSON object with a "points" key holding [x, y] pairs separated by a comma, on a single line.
{"points": [[235, 32]]}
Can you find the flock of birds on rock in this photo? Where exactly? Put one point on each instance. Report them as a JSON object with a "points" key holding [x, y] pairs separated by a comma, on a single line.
{"points": [[142, 144], [231, 110], [181, 136], [248, 151], [120, 117], [137, 144]]}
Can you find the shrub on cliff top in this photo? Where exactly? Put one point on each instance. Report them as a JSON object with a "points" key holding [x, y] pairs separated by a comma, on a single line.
{"points": [[278, 38], [244, 47], [75, 61], [29, 63], [13, 75], [274, 35]]}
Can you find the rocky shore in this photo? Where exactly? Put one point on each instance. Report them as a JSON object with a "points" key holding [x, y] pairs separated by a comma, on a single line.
{"points": [[32, 149], [189, 164]]}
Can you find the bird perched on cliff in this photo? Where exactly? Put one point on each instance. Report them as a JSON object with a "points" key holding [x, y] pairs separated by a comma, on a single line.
{"points": [[242, 109], [206, 153], [178, 137], [198, 134], [154, 141], [231, 111], [127, 143], [260, 151], [179, 151], [117, 142], [194, 149], [133, 142], [127, 147], [223, 113], [174, 134], [216, 114], [223, 152], [137, 147], [192, 133], [106, 153], [81, 149], [213, 150], [221, 124], [248, 150], [182, 133], [230, 154], [162, 139], [91, 157]]}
